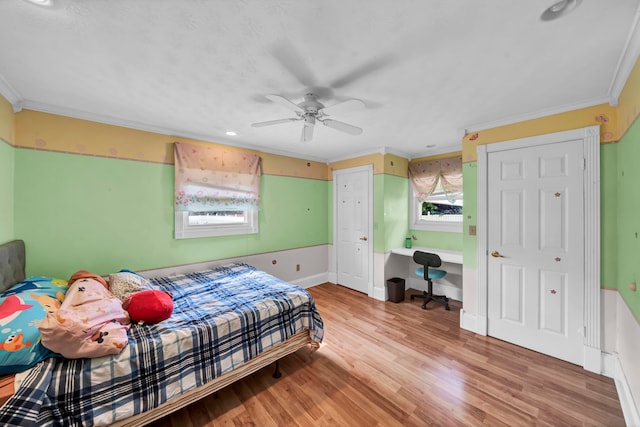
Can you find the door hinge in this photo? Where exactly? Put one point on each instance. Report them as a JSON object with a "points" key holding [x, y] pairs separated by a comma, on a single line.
{"points": [[584, 163]]}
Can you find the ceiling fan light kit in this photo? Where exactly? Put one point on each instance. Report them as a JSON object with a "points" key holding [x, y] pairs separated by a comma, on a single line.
{"points": [[559, 9], [311, 111]]}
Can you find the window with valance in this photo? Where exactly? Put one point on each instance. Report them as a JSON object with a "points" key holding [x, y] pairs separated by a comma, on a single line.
{"points": [[437, 194], [217, 191]]}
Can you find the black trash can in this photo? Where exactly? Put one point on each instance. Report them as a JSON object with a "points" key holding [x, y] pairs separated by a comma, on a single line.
{"points": [[395, 289]]}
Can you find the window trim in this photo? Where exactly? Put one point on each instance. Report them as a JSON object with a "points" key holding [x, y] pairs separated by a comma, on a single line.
{"points": [[185, 231], [417, 223]]}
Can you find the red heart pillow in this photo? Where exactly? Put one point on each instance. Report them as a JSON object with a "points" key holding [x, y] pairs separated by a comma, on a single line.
{"points": [[151, 306]]}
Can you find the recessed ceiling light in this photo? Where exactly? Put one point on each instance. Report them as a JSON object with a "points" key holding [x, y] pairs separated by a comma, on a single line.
{"points": [[231, 133], [559, 9]]}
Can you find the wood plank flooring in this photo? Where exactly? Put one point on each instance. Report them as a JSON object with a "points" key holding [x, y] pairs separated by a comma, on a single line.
{"points": [[387, 364]]}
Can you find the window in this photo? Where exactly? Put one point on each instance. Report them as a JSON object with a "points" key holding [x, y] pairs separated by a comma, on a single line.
{"points": [[217, 192], [215, 223], [437, 213], [437, 198]]}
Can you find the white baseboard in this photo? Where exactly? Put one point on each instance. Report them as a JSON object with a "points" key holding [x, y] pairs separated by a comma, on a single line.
{"points": [[468, 321], [612, 368], [332, 277], [307, 282], [380, 293], [593, 359]]}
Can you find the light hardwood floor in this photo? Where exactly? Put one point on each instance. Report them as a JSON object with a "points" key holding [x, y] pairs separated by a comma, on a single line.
{"points": [[390, 364]]}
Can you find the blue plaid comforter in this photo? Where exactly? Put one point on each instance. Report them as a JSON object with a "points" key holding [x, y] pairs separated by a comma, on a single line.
{"points": [[222, 318]]}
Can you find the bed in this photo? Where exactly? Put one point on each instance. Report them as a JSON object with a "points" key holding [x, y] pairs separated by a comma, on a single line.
{"points": [[227, 323]]}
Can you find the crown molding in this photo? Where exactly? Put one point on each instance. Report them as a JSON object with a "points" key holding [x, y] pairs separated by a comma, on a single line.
{"points": [[533, 115], [440, 150], [356, 155], [379, 150], [109, 120], [10, 94], [627, 60], [93, 117], [395, 152]]}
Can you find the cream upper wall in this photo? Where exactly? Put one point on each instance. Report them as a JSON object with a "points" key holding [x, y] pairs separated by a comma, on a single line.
{"points": [[629, 101], [7, 169], [604, 115], [7, 192], [50, 132], [6, 121]]}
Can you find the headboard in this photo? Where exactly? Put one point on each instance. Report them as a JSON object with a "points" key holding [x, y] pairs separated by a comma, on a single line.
{"points": [[12, 264]]}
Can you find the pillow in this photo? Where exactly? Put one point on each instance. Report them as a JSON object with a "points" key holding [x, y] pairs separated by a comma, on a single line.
{"points": [[22, 307], [149, 306], [124, 283]]}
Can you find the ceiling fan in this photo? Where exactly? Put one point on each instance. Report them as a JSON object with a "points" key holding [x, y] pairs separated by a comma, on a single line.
{"points": [[311, 111]]}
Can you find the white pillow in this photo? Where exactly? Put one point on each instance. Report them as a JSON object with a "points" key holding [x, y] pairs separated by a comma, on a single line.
{"points": [[124, 284]]}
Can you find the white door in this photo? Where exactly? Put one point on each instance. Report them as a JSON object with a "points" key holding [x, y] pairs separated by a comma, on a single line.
{"points": [[536, 244], [353, 242]]}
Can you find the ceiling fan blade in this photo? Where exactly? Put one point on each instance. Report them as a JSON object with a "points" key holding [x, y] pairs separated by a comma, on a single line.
{"points": [[285, 103], [273, 122], [307, 130], [341, 107], [344, 127], [369, 67], [291, 59]]}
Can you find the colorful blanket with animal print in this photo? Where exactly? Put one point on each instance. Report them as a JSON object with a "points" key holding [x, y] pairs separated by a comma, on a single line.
{"points": [[222, 318], [22, 307]]}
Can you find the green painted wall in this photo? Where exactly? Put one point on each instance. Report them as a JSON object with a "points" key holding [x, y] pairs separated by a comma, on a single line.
{"points": [[390, 212], [470, 210], [628, 218], [608, 215], [7, 168], [330, 212], [99, 214], [378, 213], [438, 239], [396, 211]]}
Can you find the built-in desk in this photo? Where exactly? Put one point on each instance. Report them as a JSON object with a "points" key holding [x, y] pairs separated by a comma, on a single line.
{"points": [[454, 257], [401, 261]]}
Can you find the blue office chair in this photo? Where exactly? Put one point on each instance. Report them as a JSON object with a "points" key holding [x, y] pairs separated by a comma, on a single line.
{"points": [[427, 260]]}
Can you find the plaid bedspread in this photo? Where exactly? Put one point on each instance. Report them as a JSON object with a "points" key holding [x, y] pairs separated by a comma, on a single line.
{"points": [[222, 318]]}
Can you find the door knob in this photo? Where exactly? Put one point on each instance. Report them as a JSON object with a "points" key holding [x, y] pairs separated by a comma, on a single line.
{"points": [[496, 254], [364, 238]]}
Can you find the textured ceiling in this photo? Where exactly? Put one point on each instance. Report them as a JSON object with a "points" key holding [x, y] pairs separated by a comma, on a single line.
{"points": [[426, 69]]}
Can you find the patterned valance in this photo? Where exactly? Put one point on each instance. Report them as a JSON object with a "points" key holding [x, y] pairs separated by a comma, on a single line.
{"points": [[424, 177], [208, 178]]}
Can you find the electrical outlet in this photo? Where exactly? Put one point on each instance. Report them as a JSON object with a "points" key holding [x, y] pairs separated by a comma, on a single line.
{"points": [[297, 267]]}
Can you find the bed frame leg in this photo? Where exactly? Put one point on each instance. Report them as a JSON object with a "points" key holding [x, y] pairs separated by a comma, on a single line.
{"points": [[276, 372]]}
